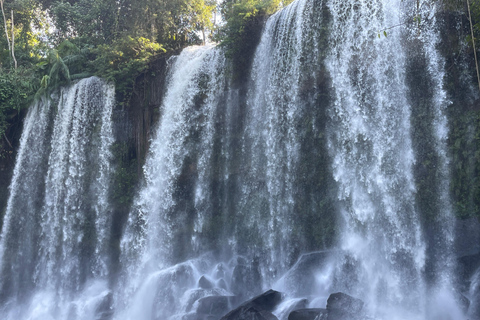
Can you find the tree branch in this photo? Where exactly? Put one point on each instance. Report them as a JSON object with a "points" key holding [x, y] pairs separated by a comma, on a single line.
{"points": [[6, 139], [13, 42], [473, 42]]}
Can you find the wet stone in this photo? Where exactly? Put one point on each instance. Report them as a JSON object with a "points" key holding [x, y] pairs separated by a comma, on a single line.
{"points": [[258, 308], [204, 283], [308, 314], [341, 306], [193, 295], [213, 305]]}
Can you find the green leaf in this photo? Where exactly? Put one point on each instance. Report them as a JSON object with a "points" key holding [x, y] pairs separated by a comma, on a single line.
{"points": [[385, 33], [44, 81]]}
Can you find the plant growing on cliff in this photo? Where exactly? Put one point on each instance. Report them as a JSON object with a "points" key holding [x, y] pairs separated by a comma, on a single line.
{"points": [[241, 32], [122, 61], [16, 91]]}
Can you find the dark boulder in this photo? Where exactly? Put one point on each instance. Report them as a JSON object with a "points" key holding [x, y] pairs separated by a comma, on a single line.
{"points": [[249, 313], [308, 314], [194, 316], [341, 306], [213, 305], [171, 284], [193, 295], [267, 300], [258, 308], [204, 283]]}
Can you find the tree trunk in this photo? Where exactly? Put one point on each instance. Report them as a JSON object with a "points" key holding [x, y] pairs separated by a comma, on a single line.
{"points": [[5, 23], [13, 42]]}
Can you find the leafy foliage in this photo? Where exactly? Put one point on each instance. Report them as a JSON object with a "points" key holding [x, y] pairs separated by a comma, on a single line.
{"points": [[16, 91], [239, 17], [241, 32], [122, 61]]}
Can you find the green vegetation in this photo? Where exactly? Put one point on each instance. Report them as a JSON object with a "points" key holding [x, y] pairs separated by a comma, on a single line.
{"points": [[464, 112], [45, 44], [239, 17], [241, 32], [48, 43]]}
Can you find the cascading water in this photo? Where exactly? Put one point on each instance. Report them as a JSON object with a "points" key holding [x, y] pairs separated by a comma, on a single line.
{"points": [[169, 212], [271, 141], [373, 157], [336, 140], [56, 241], [367, 100]]}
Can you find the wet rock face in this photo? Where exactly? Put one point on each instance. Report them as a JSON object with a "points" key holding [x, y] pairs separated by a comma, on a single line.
{"points": [[308, 314], [341, 306], [213, 305], [204, 283], [250, 313], [171, 284], [258, 308], [191, 298]]}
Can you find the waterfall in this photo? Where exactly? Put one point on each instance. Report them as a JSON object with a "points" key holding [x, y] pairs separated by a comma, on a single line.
{"points": [[55, 235], [369, 141], [375, 155], [326, 169], [271, 140], [324, 89], [170, 210]]}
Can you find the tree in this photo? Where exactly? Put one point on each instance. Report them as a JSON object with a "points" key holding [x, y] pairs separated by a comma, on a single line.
{"points": [[5, 24]]}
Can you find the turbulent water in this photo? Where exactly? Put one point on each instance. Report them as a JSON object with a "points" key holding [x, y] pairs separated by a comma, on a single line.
{"points": [[336, 140]]}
